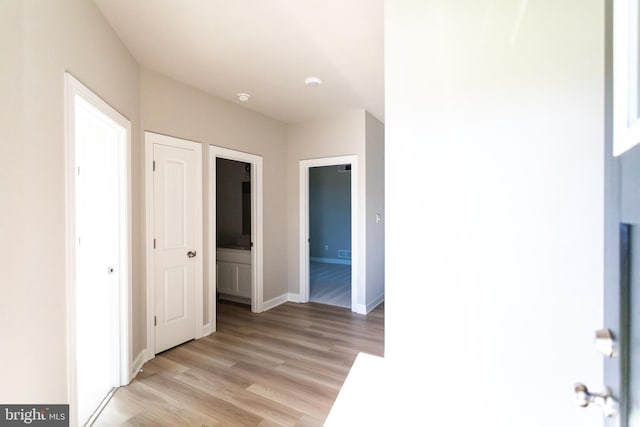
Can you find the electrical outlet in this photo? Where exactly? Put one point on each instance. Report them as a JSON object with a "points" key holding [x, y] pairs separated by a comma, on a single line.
{"points": [[326, 247]]}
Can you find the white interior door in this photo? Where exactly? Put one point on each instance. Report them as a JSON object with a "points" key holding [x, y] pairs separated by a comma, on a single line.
{"points": [[98, 270], [177, 233]]}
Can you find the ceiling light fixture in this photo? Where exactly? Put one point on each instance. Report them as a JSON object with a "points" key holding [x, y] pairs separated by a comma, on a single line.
{"points": [[243, 97], [312, 81]]}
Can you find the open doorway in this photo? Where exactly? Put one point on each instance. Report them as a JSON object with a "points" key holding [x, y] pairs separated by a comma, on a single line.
{"points": [[233, 230], [99, 241], [330, 235], [329, 267], [235, 255]]}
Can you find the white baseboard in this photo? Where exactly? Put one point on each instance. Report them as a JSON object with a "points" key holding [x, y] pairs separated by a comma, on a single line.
{"points": [[291, 297], [331, 260], [359, 308], [376, 302], [280, 299], [274, 302], [137, 364], [207, 330]]}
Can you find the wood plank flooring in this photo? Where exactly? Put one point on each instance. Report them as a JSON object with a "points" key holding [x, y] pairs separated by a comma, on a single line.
{"points": [[330, 284], [283, 367]]}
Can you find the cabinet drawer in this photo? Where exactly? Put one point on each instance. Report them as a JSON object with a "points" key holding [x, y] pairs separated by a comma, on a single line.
{"points": [[237, 256]]}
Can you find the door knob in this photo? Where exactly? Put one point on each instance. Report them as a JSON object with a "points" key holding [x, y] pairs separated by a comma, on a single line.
{"points": [[604, 401], [191, 254]]}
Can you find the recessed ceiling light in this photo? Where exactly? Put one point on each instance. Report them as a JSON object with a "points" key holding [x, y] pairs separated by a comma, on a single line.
{"points": [[243, 97], [312, 81]]}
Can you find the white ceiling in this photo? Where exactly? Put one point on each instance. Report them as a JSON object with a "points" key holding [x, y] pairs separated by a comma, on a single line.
{"points": [[265, 48]]}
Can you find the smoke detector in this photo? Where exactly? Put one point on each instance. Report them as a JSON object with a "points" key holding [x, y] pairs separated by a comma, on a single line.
{"points": [[243, 97], [312, 81]]}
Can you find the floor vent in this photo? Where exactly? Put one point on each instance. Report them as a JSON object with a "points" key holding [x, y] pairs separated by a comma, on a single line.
{"points": [[343, 253]]}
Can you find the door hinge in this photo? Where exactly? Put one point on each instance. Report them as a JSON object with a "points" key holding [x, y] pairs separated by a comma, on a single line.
{"points": [[154, 165], [154, 243], [78, 170], [155, 321]]}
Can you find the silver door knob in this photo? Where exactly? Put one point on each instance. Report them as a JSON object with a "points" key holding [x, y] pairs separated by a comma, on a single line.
{"points": [[191, 254], [604, 401]]}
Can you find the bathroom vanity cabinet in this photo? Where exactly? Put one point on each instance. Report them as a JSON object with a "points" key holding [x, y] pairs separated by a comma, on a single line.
{"points": [[234, 272]]}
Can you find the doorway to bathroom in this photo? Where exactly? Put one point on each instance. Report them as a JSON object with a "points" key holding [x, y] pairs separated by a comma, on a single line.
{"points": [[235, 228]]}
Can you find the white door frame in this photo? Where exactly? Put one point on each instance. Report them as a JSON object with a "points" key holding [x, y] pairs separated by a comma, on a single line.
{"points": [[357, 288], [152, 138], [256, 225], [74, 88]]}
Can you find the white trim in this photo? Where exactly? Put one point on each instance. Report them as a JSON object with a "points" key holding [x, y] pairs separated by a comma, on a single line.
{"points": [[376, 302], [357, 287], [340, 261], [274, 302], [257, 215], [73, 88], [281, 299], [138, 363], [152, 138], [626, 124]]}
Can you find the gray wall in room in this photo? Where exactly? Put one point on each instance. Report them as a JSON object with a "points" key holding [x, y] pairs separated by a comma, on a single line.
{"points": [[329, 211], [230, 174]]}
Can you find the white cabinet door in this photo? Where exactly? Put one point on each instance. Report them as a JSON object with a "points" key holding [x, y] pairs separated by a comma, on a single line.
{"points": [[243, 280], [226, 281]]}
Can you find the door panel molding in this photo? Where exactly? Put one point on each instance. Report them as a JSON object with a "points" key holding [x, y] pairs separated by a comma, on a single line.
{"points": [[151, 139]]}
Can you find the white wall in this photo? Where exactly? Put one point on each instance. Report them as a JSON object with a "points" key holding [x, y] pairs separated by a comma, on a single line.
{"points": [[335, 136], [375, 205], [173, 108], [353, 133], [494, 197], [42, 40]]}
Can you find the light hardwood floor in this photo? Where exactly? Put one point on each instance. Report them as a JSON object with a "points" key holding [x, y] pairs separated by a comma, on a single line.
{"points": [[283, 367], [330, 284]]}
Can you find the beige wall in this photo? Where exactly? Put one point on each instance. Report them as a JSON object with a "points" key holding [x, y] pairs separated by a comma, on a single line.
{"points": [[46, 39], [335, 136], [172, 108], [374, 135]]}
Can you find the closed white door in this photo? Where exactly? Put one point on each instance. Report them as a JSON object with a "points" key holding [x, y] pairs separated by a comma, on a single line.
{"points": [[177, 231], [98, 206]]}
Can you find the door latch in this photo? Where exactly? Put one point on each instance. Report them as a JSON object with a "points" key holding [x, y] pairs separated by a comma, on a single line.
{"points": [[605, 343]]}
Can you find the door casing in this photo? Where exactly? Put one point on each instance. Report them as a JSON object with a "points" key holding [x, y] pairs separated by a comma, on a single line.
{"points": [[152, 138], [257, 293], [357, 284], [73, 88]]}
